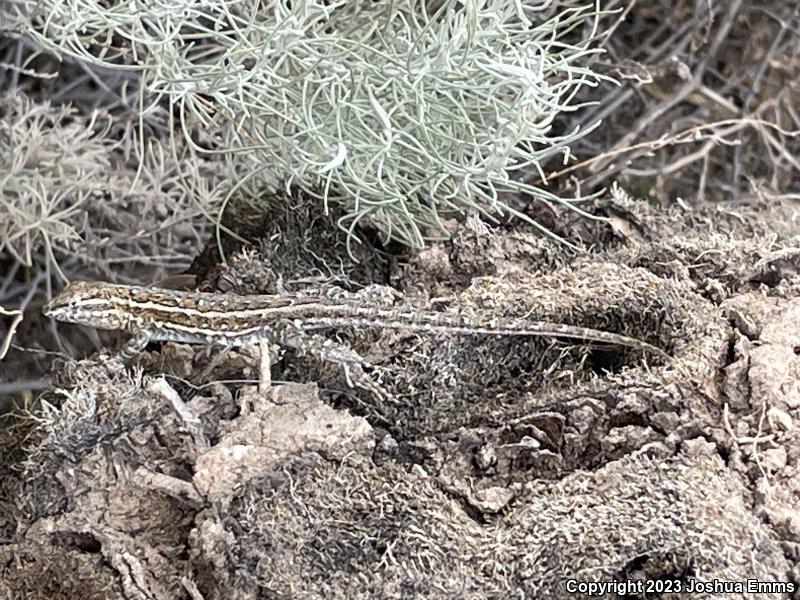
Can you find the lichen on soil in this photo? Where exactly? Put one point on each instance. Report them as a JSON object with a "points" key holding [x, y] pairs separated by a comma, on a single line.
{"points": [[500, 468]]}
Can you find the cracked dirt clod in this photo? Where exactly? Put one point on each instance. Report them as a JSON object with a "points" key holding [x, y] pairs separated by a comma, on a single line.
{"points": [[503, 467], [293, 422]]}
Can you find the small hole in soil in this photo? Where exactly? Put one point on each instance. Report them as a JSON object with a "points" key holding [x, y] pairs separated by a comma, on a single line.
{"points": [[652, 568], [515, 372], [81, 541], [770, 278], [601, 360]]}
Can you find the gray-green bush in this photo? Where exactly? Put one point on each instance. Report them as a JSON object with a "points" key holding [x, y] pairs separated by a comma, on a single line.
{"points": [[400, 112]]}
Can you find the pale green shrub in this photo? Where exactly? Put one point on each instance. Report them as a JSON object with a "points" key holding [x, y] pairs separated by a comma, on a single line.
{"points": [[50, 165], [401, 113], [67, 197]]}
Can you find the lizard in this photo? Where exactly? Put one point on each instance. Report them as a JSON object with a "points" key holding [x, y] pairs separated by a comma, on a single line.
{"points": [[288, 320]]}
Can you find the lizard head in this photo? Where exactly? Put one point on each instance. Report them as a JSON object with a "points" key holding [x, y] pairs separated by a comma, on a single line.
{"points": [[88, 303]]}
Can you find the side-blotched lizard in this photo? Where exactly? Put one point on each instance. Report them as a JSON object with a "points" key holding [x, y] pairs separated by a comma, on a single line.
{"points": [[227, 320]]}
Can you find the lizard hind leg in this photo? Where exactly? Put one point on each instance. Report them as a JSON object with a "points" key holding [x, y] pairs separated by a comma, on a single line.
{"points": [[327, 350]]}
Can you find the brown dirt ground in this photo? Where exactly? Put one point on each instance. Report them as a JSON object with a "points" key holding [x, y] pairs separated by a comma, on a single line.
{"points": [[501, 468]]}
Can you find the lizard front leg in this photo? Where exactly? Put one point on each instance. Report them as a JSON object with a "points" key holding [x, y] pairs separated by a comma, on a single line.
{"points": [[264, 367], [135, 345]]}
